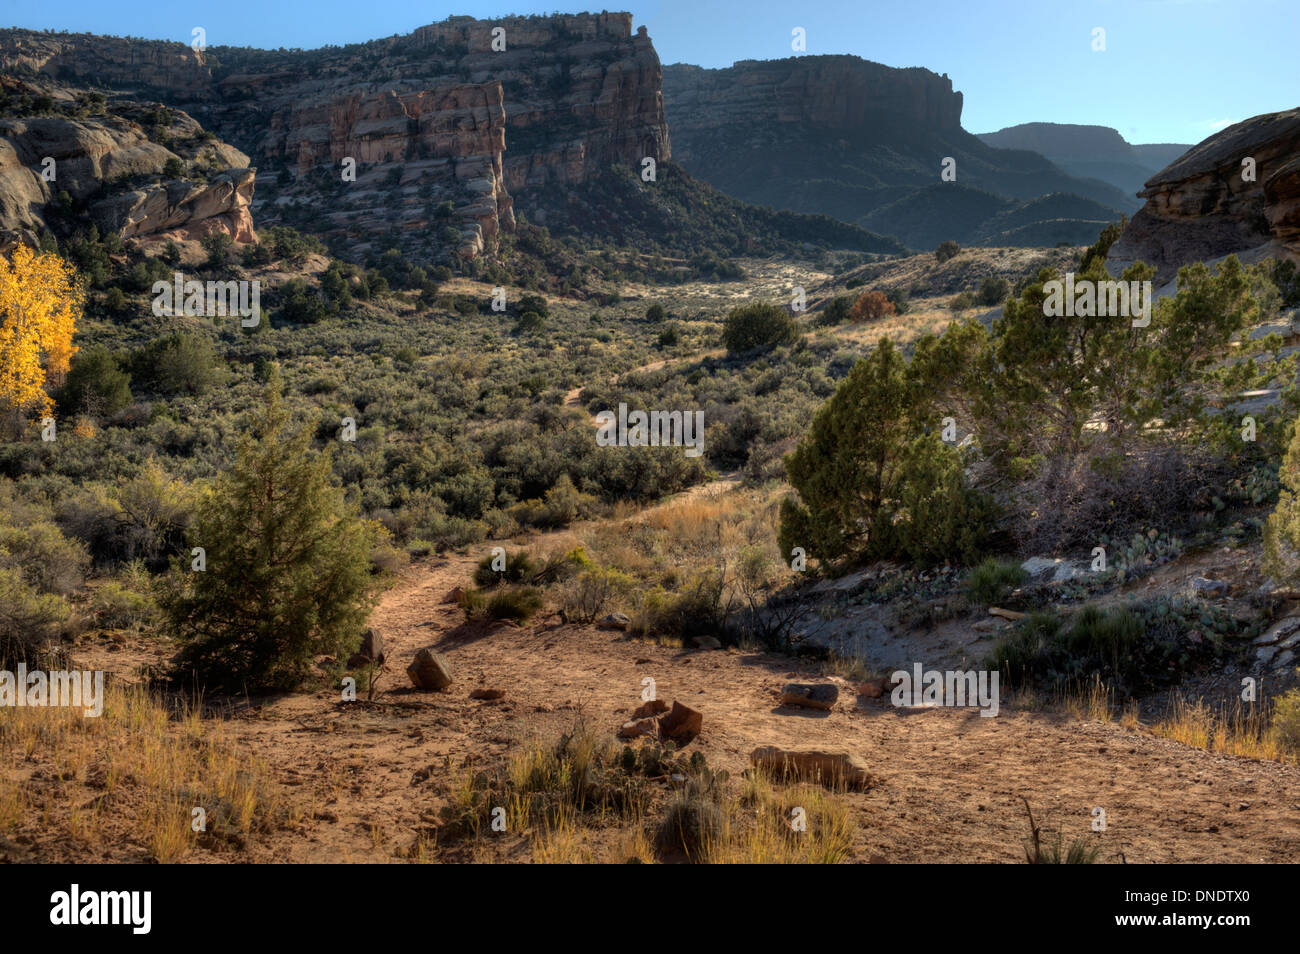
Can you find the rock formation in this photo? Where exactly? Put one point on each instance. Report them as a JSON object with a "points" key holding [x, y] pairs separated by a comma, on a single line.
{"points": [[89, 159], [1205, 205]]}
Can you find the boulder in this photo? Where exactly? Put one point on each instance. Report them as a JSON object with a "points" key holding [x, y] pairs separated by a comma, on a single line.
{"points": [[615, 621], [1209, 588], [681, 724], [829, 768], [810, 695], [874, 688], [429, 671], [491, 695], [707, 642]]}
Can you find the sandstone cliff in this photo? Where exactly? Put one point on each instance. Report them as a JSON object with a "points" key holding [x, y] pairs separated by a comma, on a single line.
{"points": [[106, 168], [1201, 207]]}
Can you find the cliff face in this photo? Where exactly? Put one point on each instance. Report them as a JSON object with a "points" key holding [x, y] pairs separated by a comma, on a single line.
{"points": [[433, 117], [837, 93], [111, 60], [1200, 208]]}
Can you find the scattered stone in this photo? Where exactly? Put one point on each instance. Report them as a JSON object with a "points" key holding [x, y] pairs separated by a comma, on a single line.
{"points": [[810, 695], [681, 724], [371, 651], [615, 621], [430, 671], [826, 767], [874, 688], [1209, 589], [1005, 613], [488, 694], [707, 642], [652, 708], [635, 728]]}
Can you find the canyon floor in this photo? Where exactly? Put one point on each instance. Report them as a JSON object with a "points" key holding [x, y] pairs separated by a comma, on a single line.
{"points": [[366, 776]]}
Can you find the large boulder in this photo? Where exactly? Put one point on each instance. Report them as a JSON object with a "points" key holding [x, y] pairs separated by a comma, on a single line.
{"points": [[810, 695], [681, 724]]}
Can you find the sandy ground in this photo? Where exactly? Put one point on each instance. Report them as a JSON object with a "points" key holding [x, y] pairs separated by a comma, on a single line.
{"points": [[952, 779]]}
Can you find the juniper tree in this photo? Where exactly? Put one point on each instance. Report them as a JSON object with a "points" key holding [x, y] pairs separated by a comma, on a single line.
{"points": [[288, 570]]}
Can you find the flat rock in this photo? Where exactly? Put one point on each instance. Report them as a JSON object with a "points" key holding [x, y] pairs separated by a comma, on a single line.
{"points": [[488, 694], [810, 695], [615, 621], [817, 765]]}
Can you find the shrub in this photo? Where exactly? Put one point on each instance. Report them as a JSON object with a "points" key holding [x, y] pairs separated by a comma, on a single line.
{"points": [[1282, 533], [871, 483], [96, 385], [758, 325], [655, 313], [588, 596], [1286, 720], [946, 250], [517, 603], [288, 573], [29, 619], [871, 306], [518, 566], [836, 311], [992, 290], [530, 322], [990, 582], [218, 245], [181, 363]]}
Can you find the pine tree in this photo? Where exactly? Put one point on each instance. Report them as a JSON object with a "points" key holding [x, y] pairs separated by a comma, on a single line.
{"points": [[288, 571]]}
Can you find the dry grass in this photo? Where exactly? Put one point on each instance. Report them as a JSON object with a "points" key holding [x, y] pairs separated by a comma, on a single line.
{"points": [[151, 766], [1244, 730]]}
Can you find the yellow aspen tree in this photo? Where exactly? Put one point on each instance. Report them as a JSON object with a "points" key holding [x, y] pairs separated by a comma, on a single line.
{"points": [[40, 301]]}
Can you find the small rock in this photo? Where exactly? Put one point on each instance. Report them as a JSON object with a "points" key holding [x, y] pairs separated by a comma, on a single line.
{"points": [[986, 626], [615, 621], [454, 596], [430, 671], [1209, 588], [874, 688], [488, 694], [681, 724], [707, 642], [809, 695]]}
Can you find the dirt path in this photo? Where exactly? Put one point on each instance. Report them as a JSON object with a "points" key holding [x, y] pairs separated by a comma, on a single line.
{"points": [[952, 779]]}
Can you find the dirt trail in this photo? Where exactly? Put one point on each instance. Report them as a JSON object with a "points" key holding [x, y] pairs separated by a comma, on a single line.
{"points": [[952, 779]]}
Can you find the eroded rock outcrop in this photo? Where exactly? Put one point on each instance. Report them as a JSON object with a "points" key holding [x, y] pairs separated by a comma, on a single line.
{"points": [[91, 159], [1202, 207]]}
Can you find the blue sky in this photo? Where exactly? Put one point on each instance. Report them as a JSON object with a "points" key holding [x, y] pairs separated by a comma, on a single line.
{"points": [[1172, 70]]}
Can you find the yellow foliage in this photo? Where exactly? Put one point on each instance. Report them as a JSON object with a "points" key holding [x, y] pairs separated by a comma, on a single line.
{"points": [[40, 300]]}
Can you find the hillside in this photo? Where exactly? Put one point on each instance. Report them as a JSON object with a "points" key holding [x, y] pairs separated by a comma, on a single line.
{"points": [[1090, 152]]}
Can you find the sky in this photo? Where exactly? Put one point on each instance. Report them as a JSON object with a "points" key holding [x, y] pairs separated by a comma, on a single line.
{"points": [[1170, 70]]}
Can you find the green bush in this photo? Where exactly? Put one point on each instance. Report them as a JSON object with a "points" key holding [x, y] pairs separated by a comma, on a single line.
{"points": [[946, 250], [992, 580], [29, 619], [758, 325], [519, 566], [96, 385], [992, 290], [836, 311], [288, 571], [181, 363]]}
